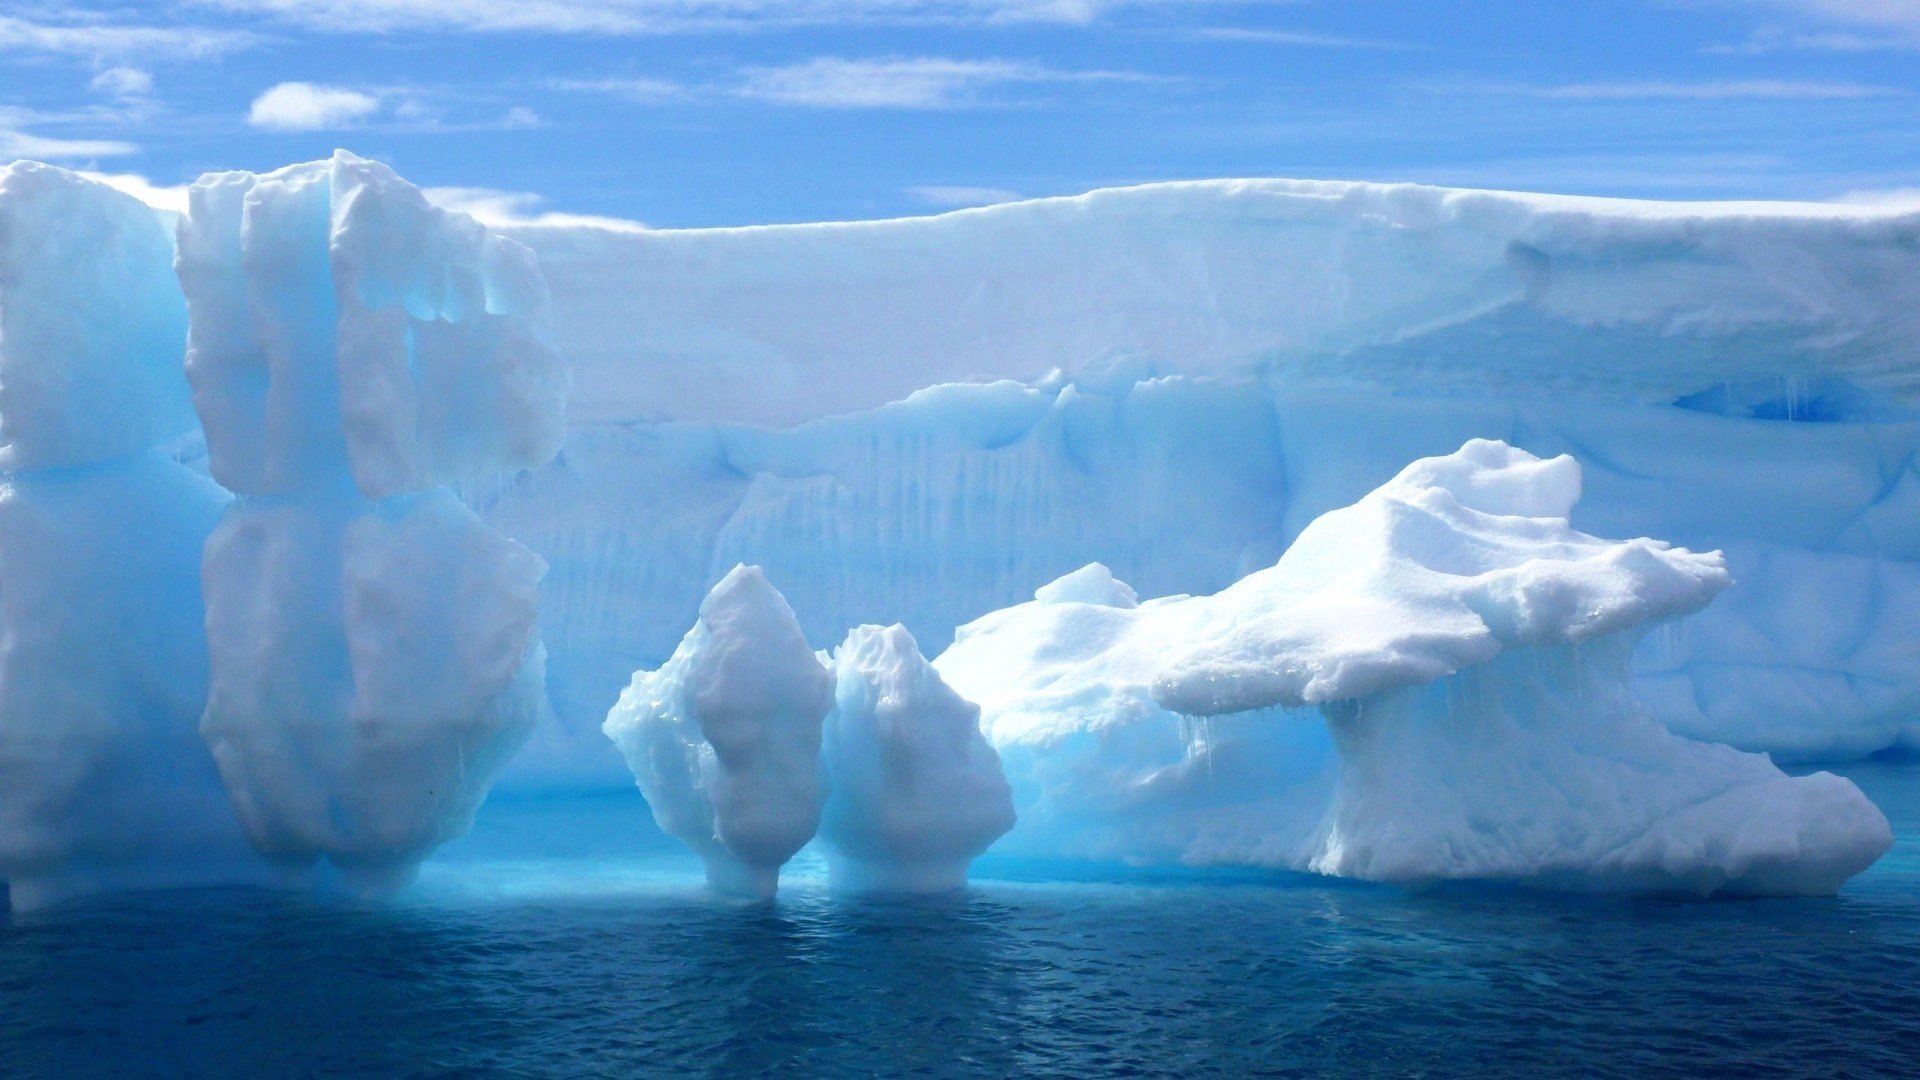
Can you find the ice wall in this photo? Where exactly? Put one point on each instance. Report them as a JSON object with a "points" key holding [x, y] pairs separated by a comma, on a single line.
{"points": [[1191, 372], [104, 782]]}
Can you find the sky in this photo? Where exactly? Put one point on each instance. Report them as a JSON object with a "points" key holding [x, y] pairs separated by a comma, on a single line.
{"points": [[678, 113]]}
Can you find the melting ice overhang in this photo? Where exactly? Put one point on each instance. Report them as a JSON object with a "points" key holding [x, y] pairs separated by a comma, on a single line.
{"points": [[1402, 285]]}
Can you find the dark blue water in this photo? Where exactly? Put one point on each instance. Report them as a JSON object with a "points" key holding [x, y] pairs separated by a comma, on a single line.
{"points": [[568, 939]]}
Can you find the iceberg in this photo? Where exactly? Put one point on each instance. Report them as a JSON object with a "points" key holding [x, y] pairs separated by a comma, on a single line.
{"points": [[337, 508], [1467, 652], [917, 792], [724, 739]]}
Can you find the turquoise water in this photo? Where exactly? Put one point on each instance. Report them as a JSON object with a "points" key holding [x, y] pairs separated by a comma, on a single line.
{"points": [[570, 939]]}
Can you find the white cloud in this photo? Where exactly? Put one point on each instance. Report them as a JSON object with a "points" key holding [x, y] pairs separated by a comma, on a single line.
{"points": [[299, 106], [926, 82], [668, 16], [160, 197], [1726, 90], [957, 197], [519, 208], [1295, 38], [1830, 26], [99, 39], [1899, 17], [122, 82], [21, 144], [634, 89]]}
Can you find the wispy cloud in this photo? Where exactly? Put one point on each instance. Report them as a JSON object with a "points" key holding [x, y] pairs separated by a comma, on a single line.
{"points": [[922, 82], [669, 16], [834, 82], [299, 106], [644, 90], [1293, 38], [16, 142], [1845, 26], [302, 106], [98, 38], [1722, 90], [955, 197], [122, 82], [518, 208]]}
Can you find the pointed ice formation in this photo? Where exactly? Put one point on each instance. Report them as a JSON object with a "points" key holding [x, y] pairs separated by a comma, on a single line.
{"points": [[1469, 652], [724, 739], [917, 792]]}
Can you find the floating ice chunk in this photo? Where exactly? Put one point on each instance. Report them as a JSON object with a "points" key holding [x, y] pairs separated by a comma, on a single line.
{"points": [[104, 783], [92, 324], [341, 320], [372, 669], [1468, 650], [917, 792], [724, 739]]}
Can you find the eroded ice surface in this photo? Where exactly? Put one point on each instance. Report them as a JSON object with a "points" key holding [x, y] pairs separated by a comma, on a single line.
{"points": [[1190, 373], [374, 645], [917, 792], [1468, 651], [724, 739]]}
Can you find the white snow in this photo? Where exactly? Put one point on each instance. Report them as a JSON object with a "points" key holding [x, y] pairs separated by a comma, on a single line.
{"points": [[1315, 279], [917, 792], [724, 739]]}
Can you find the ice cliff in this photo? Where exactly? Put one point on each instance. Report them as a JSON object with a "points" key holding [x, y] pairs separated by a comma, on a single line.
{"points": [[923, 420], [314, 515]]}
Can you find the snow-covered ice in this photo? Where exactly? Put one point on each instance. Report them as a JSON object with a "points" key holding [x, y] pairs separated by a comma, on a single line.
{"points": [[1468, 650], [724, 739]]}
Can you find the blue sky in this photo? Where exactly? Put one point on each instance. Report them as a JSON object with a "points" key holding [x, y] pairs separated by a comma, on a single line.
{"points": [[717, 112]]}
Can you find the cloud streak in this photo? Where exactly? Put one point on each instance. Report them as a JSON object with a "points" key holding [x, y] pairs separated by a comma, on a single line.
{"points": [[673, 16], [100, 40], [1721, 90]]}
